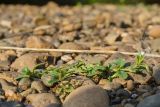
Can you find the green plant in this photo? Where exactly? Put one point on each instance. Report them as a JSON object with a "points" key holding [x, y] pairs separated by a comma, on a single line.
{"points": [[27, 73], [116, 69], [138, 66], [119, 69], [59, 74]]}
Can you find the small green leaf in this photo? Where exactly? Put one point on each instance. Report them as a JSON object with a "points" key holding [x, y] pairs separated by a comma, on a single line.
{"points": [[123, 74], [26, 71]]}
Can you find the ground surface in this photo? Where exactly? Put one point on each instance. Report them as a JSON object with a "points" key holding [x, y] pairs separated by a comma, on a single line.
{"points": [[94, 27]]}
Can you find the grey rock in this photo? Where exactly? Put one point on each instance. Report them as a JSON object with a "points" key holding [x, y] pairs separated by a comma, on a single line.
{"points": [[156, 75], [151, 101], [38, 86], [24, 83], [155, 44], [43, 100], [45, 79], [87, 96], [11, 104], [141, 78]]}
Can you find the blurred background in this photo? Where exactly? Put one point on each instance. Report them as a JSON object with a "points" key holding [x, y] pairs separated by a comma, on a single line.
{"points": [[75, 2]]}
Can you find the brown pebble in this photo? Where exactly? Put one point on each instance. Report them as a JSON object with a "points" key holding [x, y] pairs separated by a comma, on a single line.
{"points": [[130, 85]]}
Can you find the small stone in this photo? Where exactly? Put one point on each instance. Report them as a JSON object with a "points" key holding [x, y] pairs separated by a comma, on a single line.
{"points": [[105, 84], [7, 86], [81, 79], [36, 42], [155, 44], [154, 31], [141, 78], [70, 45], [13, 96], [130, 85], [91, 59], [38, 86], [87, 96], [43, 100], [71, 27], [4, 65], [120, 81], [45, 79], [27, 92], [129, 105], [41, 30], [69, 36], [66, 58], [110, 39], [55, 54], [122, 93], [24, 83], [40, 20], [134, 96], [6, 23], [156, 75], [151, 101], [116, 100]]}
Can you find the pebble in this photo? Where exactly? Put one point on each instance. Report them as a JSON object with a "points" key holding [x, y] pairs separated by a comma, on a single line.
{"points": [[66, 58], [139, 78], [24, 83], [43, 100], [70, 45], [45, 79], [38, 86], [154, 31], [130, 85], [156, 75], [105, 84], [36, 42]]}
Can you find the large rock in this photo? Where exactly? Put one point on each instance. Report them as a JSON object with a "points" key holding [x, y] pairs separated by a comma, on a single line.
{"points": [[87, 96], [151, 101], [43, 100]]}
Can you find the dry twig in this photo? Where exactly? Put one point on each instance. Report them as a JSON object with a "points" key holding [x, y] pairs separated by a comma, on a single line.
{"points": [[76, 51]]}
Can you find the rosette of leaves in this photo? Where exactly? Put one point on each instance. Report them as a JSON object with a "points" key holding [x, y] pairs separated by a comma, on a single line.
{"points": [[27, 73], [119, 69]]}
